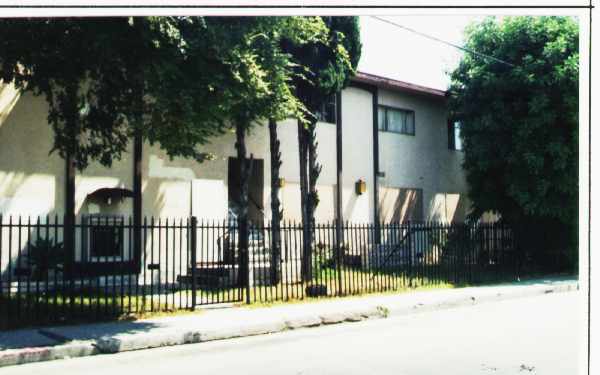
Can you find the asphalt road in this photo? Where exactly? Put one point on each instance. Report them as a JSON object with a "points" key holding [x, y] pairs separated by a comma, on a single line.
{"points": [[538, 335]]}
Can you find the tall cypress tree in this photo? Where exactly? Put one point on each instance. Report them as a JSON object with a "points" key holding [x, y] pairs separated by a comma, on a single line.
{"points": [[330, 65]]}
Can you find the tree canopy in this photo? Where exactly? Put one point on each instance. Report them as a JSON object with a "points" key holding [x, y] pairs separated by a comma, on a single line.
{"points": [[325, 67], [262, 73], [177, 81], [519, 122]]}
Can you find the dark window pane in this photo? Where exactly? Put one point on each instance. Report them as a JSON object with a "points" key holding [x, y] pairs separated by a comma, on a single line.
{"points": [[106, 240], [381, 118], [327, 111], [396, 121], [410, 122]]}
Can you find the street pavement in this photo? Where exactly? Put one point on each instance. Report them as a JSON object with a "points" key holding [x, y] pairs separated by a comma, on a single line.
{"points": [[534, 335]]}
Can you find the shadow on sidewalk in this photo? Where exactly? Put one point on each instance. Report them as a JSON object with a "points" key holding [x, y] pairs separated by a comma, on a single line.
{"points": [[50, 336]]}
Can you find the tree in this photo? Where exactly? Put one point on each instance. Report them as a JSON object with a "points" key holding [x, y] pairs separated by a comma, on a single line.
{"points": [[276, 211], [106, 79], [519, 124], [328, 68], [261, 89]]}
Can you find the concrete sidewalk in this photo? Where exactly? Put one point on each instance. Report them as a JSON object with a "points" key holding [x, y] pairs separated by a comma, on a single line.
{"points": [[33, 345]]}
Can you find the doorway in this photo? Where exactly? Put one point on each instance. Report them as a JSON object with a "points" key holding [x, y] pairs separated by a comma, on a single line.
{"points": [[255, 189]]}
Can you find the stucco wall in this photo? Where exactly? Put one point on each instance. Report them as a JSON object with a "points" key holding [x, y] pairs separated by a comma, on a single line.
{"points": [[423, 161], [32, 181], [357, 145]]}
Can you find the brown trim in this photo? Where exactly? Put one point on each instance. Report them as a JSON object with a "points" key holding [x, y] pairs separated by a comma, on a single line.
{"points": [[363, 86], [392, 84], [339, 233], [339, 159], [376, 218]]}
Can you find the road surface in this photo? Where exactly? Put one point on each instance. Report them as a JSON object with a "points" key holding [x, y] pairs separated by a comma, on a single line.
{"points": [[538, 335]]}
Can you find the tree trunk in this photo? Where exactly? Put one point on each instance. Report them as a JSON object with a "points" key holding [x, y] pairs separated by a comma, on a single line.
{"points": [[245, 165], [303, 155], [314, 170], [276, 212]]}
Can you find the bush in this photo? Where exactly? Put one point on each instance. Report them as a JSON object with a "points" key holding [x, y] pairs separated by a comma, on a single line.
{"points": [[45, 255]]}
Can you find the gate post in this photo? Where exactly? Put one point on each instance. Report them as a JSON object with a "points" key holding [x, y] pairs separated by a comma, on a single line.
{"points": [[410, 255], [193, 227]]}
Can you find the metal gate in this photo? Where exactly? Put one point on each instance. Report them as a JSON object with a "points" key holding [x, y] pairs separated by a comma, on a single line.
{"points": [[214, 268]]}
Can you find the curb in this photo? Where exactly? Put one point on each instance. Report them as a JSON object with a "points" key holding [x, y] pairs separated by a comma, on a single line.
{"points": [[117, 344], [485, 298], [48, 353], [149, 340]]}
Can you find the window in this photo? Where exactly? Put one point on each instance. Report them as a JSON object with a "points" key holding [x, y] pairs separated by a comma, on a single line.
{"points": [[327, 111], [106, 241], [105, 236], [454, 140], [396, 120]]}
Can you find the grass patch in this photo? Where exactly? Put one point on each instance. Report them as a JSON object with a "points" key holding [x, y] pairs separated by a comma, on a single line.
{"points": [[85, 306]]}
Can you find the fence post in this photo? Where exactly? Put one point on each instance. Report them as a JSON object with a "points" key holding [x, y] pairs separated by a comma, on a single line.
{"points": [[469, 245], [410, 272], [248, 269], [339, 239], [193, 228]]}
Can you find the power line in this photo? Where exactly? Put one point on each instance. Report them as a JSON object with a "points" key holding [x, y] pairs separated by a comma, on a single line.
{"points": [[444, 42]]}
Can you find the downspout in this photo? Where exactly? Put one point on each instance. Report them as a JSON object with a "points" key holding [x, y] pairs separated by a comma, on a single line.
{"points": [[376, 166], [339, 235]]}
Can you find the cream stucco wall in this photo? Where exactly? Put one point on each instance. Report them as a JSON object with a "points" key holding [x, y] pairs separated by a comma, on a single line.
{"points": [[423, 161], [32, 180], [357, 146]]}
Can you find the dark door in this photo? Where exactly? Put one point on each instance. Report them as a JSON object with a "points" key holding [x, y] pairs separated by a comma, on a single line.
{"points": [[255, 189]]}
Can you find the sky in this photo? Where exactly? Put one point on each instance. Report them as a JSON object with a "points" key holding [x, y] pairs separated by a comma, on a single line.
{"points": [[395, 53]]}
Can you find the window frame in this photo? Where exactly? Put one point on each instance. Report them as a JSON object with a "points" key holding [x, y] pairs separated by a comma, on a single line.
{"points": [[387, 108]]}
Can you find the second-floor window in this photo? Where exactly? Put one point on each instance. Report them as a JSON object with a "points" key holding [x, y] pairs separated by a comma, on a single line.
{"points": [[396, 120], [454, 140], [327, 111]]}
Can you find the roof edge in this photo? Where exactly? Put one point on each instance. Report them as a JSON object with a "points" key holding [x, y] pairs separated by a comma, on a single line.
{"points": [[394, 84]]}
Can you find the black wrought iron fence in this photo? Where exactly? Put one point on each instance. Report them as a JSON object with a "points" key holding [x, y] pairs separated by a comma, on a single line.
{"points": [[115, 268]]}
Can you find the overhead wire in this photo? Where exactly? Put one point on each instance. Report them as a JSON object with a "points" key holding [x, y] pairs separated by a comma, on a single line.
{"points": [[465, 49]]}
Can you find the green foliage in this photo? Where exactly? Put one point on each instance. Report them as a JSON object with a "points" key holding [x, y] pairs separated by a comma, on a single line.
{"points": [[261, 72], [324, 67], [520, 123], [106, 78], [177, 81], [45, 255], [324, 258]]}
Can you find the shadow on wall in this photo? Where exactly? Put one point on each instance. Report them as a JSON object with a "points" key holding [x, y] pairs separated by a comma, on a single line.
{"points": [[449, 207], [349, 205], [400, 205]]}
